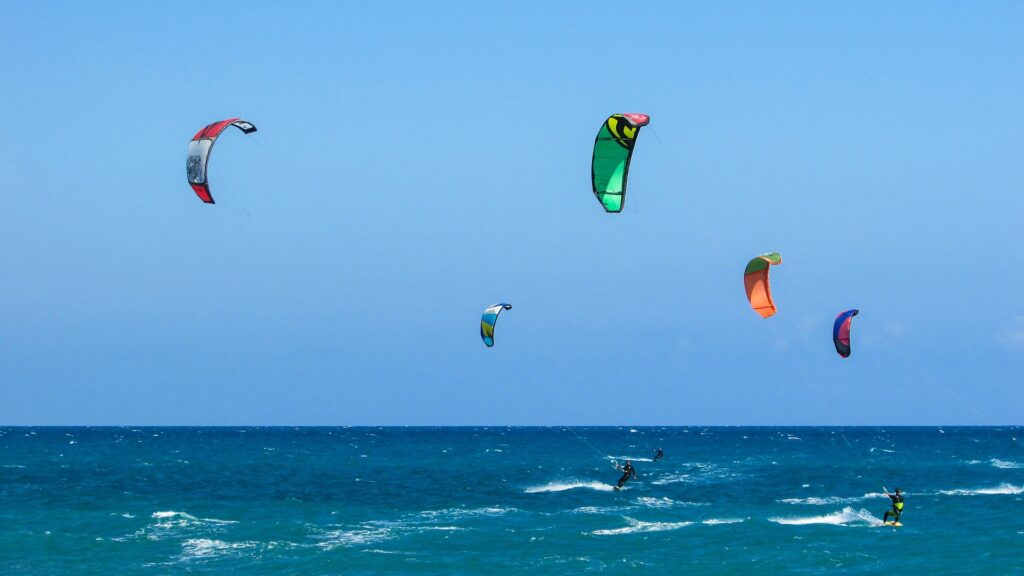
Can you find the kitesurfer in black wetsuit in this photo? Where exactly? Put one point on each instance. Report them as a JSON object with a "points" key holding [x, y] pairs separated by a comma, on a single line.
{"points": [[627, 472], [658, 454], [897, 506]]}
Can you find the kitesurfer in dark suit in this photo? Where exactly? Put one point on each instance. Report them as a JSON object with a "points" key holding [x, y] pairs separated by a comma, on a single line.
{"points": [[627, 472]]}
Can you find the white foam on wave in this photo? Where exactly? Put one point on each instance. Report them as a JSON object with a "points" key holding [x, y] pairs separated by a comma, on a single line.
{"points": [[458, 513], [815, 501], [172, 514], [198, 548], [11, 466], [174, 524], [700, 473], [331, 539], [847, 517], [719, 521], [602, 509], [633, 458], [379, 551], [1004, 488], [377, 531], [636, 526], [172, 518], [563, 486], [1005, 464], [673, 479], [664, 502]]}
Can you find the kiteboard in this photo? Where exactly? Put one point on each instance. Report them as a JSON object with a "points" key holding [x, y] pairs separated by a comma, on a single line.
{"points": [[892, 523]]}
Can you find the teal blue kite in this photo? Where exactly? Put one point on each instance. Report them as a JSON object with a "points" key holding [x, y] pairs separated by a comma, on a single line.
{"points": [[487, 322], [613, 150]]}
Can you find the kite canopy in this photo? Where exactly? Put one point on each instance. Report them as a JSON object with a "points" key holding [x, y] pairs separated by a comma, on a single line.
{"points": [[755, 280], [487, 322], [841, 332], [199, 154], [613, 150]]}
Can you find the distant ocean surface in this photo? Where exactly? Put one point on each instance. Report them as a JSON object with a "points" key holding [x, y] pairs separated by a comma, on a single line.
{"points": [[496, 500]]}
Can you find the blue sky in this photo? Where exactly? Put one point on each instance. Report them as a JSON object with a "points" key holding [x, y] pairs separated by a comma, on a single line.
{"points": [[417, 162]]}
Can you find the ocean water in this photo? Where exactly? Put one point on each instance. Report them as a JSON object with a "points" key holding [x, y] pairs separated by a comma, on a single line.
{"points": [[502, 500]]}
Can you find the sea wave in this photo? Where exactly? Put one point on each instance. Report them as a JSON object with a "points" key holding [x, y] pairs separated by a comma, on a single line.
{"points": [[173, 519], [719, 521], [1005, 464], [331, 539], [815, 501], [636, 526], [700, 473], [664, 502], [569, 485], [1003, 488], [633, 458], [601, 509], [459, 513], [199, 548], [847, 517], [174, 524]]}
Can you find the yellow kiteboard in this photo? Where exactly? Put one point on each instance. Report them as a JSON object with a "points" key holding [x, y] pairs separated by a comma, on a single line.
{"points": [[891, 523]]}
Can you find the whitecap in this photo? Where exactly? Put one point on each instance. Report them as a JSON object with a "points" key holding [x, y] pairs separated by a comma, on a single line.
{"points": [[355, 537], [1005, 464], [563, 486], [673, 479], [815, 501], [171, 520], [197, 548], [379, 551], [636, 526], [704, 474], [633, 458], [664, 502], [172, 514], [601, 509], [847, 517], [719, 521], [457, 513], [1003, 488]]}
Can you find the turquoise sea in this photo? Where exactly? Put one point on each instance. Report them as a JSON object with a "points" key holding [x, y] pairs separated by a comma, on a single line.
{"points": [[496, 500]]}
